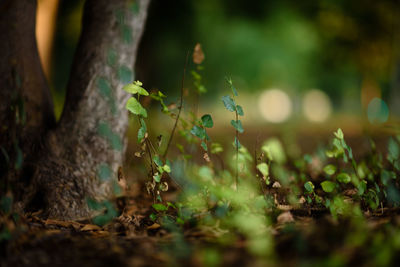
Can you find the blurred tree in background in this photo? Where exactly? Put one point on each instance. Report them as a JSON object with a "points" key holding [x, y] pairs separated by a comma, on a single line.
{"points": [[348, 49]]}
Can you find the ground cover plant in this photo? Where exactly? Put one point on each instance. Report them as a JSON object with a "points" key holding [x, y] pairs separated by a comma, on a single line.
{"points": [[208, 204]]}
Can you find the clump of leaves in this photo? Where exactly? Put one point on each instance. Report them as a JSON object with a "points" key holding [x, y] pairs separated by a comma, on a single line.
{"points": [[157, 166], [199, 130]]}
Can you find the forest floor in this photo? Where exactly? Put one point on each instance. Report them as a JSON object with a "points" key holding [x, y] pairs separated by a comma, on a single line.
{"points": [[301, 236], [305, 235]]}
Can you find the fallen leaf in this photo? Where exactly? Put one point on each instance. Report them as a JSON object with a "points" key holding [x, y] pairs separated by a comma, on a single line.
{"points": [[153, 226], [90, 227]]}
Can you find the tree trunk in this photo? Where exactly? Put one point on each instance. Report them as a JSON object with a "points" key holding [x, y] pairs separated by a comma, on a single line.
{"points": [[26, 109], [81, 155]]}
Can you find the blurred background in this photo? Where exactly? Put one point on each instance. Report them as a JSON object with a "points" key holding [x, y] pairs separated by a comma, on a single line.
{"points": [[305, 66]]}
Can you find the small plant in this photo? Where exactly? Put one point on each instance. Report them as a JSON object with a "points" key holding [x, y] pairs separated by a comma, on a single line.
{"points": [[157, 166], [199, 131], [230, 104]]}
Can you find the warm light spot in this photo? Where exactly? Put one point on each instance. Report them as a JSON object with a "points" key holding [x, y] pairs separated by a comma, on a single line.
{"points": [[45, 26], [275, 105], [378, 111], [316, 106]]}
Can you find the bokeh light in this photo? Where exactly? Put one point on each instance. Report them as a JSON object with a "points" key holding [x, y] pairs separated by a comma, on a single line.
{"points": [[275, 105], [316, 106], [378, 111]]}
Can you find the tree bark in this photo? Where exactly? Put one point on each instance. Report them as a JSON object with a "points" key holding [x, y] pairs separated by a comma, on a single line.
{"points": [[26, 109], [80, 158]]}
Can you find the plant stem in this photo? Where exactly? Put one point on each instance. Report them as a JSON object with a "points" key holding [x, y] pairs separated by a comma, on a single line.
{"points": [[179, 109], [237, 153], [255, 166], [148, 149]]}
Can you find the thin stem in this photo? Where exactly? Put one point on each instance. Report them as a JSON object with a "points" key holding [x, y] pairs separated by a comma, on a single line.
{"points": [[179, 108], [255, 166], [237, 153], [148, 148]]}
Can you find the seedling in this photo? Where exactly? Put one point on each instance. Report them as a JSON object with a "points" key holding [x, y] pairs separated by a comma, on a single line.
{"points": [[230, 105]]}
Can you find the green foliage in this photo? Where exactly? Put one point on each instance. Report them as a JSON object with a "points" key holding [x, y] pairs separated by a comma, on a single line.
{"points": [[343, 178], [328, 186], [309, 186], [228, 201], [330, 169], [207, 121], [199, 132], [135, 107], [237, 125], [159, 207], [135, 88], [229, 103], [274, 150]]}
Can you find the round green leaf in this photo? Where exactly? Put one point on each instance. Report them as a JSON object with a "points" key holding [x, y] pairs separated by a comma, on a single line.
{"points": [[328, 186], [309, 186], [330, 169], [207, 121], [343, 178]]}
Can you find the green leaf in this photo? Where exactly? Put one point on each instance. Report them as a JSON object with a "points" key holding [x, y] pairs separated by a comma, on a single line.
{"points": [[330, 169], [207, 121], [328, 186], [159, 207], [135, 88], [229, 81], [142, 130], [237, 125], [229, 103], [309, 186], [234, 91], [153, 217], [339, 134], [157, 161], [393, 149], [204, 145], [263, 168], [167, 168], [157, 177], [239, 110], [135, 107], [199, 132], [343, 178], [274, 150]]}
